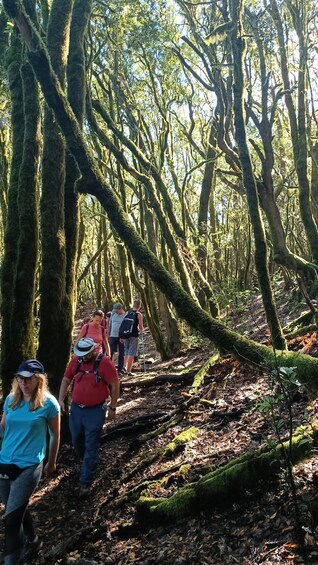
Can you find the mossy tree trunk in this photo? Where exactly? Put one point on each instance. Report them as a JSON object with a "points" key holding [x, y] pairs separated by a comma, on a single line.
{"points": [[204, 207], [261, 256], [76, 93], [159, 336], [53, 274], [22, 323], [106, 278], [8, 362], [93, 182]]}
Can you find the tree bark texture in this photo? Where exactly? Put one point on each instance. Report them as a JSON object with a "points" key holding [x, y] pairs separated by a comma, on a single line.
{"points": [[53, 274], [22, 323], [8, 361]]}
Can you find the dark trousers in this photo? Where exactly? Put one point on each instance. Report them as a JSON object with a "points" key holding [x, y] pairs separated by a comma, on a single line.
{"points": [[86, 425], [18, 520], [114, 344]]}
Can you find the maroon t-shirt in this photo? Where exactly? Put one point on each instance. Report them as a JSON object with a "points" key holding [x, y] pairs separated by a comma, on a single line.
{"points": [[87, 388]]}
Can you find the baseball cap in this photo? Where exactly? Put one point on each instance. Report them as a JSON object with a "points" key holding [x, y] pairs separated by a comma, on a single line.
{"points": [[29, 368], [117, 306], [84, 346]]}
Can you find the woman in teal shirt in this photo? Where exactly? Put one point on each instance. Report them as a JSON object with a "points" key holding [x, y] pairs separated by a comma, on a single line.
{"points": [[29, 412]]}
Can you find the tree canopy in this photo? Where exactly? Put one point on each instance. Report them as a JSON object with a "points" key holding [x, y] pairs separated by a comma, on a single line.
{"points": [[173, 156]]}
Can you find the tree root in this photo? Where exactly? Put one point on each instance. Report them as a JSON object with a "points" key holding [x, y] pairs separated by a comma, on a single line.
{"points": [[134, 426]]}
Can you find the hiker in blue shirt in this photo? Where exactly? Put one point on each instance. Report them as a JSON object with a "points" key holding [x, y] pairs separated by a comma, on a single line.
{"points": [[29, 412], [114, 340]]}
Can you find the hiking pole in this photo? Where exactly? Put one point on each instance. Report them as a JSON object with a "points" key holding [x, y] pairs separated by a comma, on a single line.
{"points": [[143, 349]]}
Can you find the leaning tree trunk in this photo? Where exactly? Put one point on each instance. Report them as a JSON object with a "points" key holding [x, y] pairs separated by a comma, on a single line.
{"points": [[249, 180], [92, 182]]}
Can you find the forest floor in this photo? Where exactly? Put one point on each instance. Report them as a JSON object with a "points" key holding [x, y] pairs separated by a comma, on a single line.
{"points": [[258, 528]]}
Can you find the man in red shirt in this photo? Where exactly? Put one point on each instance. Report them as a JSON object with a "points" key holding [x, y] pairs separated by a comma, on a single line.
{"points": [[94, 378]]}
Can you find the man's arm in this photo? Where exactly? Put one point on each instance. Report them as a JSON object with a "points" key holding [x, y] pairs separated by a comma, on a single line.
{"points": [[114, 395], [63, 390]]}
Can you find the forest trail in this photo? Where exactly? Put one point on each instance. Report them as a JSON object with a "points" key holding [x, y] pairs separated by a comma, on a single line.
{"points": [[104, 529]]}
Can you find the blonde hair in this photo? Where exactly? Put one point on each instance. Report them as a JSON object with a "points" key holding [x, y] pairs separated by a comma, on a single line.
{"points": [[38, 395]]}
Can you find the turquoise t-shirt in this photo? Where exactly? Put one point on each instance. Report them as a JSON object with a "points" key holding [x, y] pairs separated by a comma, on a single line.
{"points": [[24, 440]]}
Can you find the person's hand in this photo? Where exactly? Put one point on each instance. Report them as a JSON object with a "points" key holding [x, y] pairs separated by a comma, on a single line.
{"points": [[62, 405], [49, 468], [111, 414]]}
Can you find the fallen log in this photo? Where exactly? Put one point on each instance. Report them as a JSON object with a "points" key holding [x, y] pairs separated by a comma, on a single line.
{"points": [[182, 378], [226, 484]]}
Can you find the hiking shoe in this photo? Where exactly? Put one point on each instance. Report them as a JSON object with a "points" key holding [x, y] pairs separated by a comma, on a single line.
{"points": [[85, 491], [130, 374], [32, 547]]}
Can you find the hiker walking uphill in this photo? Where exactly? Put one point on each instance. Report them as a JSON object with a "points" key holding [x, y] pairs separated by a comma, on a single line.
{"points": [[29, 413], [94, 379], [96, 331], [115, 342], [129, 330]]}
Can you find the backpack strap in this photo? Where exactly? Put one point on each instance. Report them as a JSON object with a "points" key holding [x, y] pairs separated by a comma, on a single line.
{"points": [[96, 366], [94, 371]]}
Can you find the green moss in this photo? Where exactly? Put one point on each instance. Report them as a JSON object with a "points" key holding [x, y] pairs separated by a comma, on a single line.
{"points": [[199, 377], [180, 440], [184, 471]]}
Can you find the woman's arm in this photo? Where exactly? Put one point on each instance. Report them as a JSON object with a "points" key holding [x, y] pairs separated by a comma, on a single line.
{"points": [[105, 342], [54, 428], [106, 346], [2, 425]]}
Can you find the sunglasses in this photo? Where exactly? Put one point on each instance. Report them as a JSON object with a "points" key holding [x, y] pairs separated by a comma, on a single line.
{"points": [[24, 379]]}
